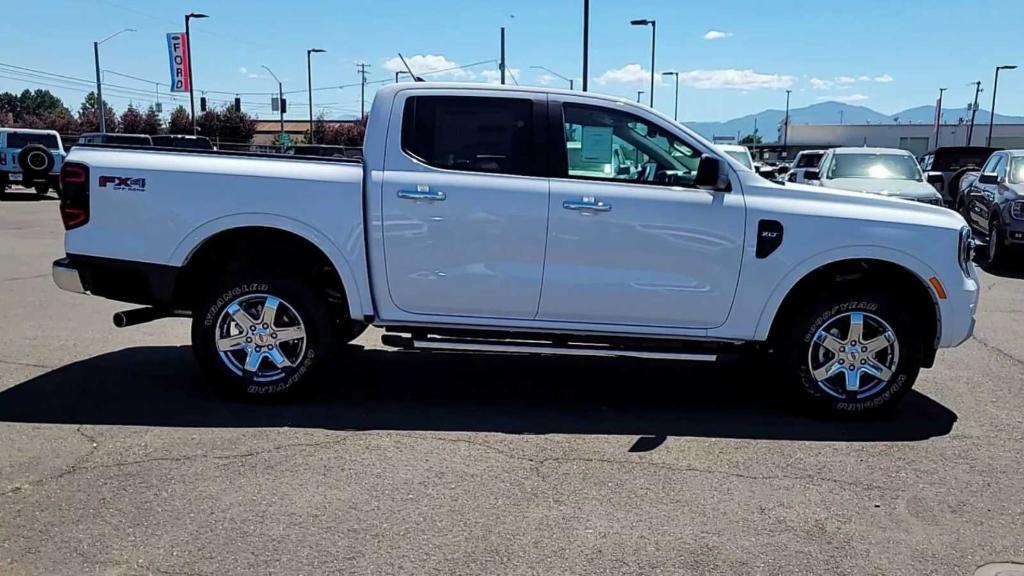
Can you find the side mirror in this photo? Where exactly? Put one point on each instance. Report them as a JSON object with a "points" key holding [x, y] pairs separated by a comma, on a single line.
{"points": [[988, 178], [935, 178], [708, 172], [812, 174]]}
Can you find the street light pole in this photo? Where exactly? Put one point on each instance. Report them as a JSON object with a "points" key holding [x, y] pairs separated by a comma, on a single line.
{"points": [[99, 84], [309, 87], [191, 79], [992, 112], [974, 111], [785, 134], [280, 103], [639, 93], [586, 42], [938, 117], [502, 62], [675, 113], [553, 73], [654, 34]]}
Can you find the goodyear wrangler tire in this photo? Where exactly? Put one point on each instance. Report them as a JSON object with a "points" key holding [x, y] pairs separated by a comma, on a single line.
{"points": [[853, 351], [261, 336]]}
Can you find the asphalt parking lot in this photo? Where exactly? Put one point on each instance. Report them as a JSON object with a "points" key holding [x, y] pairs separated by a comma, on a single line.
{"points": [[115, 460]]}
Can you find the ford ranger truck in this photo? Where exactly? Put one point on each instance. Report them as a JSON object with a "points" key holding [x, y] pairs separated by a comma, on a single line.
{"points": [[512, 219]]}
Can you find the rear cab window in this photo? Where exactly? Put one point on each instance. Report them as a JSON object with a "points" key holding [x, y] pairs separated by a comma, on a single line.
{"points": [[23, 139], [474, 134]]}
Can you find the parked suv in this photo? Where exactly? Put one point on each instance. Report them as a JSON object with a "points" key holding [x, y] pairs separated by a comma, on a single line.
{"points": [[804, 161], [31, 158], [884, 171], [182, 141], [123, 139], [945, 167], [993, 204]]}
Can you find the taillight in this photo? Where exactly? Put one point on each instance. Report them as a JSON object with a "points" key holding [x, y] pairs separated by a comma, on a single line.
{"points": [[74, 195]]}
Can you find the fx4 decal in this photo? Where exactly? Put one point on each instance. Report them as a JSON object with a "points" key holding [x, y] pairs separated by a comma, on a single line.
{"points": [[126, 183]]}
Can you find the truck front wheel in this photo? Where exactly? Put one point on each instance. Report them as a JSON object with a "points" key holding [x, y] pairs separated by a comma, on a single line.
{"points": [[852, 351], [260, 336]]}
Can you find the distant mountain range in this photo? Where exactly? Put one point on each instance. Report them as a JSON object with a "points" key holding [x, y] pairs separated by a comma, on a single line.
{"points": [[768, 121]]}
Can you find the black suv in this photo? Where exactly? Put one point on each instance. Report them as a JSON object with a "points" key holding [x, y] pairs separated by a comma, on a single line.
{"points": [[944, 167], [993, 205]]}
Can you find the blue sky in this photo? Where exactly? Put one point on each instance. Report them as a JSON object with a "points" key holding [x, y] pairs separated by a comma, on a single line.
{"points": [[885, 54]]}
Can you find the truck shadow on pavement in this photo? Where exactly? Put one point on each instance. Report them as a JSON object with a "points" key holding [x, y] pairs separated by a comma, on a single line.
{"points": [[386, 390]]}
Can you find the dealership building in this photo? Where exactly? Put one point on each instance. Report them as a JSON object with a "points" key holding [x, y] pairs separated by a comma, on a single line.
{"points": [[916, 138]]}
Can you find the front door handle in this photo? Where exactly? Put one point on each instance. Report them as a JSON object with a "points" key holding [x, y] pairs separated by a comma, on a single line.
{"points": [[587, 204], [422, 193]]}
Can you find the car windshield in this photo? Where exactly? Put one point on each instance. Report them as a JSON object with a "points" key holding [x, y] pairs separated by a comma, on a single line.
{"points": [[22, 139], [953, 160], [741, 156], [1017, 170], [809, 160], [880, 166]]}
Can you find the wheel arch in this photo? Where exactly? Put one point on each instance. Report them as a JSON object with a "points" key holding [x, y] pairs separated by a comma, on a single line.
{"points": [[195, 251], [903, 273]]}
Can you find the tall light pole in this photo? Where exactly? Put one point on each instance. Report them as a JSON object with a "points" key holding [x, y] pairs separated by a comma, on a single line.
{"points": [[280, 103], [992, 112], [639, 93], [553, 73], [191, 79], [501, 63], [654, 36], [785, 133], [99, 85], [586, 42], [309, 87], [974, 111], [675, 113], [938, 116]]}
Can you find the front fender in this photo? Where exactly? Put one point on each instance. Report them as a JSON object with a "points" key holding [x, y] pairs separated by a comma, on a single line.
{"points": [[921, 270], [355, 291]]}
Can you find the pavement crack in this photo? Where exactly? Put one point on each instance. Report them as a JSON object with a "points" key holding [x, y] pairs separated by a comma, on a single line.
{"points": [[649, 464], [71, 469], [26, 364], [998, 351], [16, 278]]}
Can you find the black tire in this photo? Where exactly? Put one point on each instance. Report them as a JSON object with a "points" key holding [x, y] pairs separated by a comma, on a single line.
{"points": [[300, 299], [36, 162], [997, 255], [963, 208], [42, 188], [828, 312]]}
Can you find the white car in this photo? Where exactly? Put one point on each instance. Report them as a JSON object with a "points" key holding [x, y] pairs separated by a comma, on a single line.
{"points": [[738, 153], [805, 160], [884, 171], [473, 225]]}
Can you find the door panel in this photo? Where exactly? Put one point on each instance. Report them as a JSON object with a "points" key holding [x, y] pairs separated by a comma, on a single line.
{"points": [[458, 240], [631, 253]]}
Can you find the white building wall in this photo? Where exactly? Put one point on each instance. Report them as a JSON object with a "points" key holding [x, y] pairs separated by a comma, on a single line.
{"points": [[917, 138]]}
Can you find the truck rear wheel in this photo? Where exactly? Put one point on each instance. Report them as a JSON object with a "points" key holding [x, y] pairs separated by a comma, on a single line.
{"points": [[852, 351], [259, 335]]}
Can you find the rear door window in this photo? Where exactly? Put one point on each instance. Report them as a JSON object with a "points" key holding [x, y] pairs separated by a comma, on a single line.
{"points": [[472, 134], [22, 139]]}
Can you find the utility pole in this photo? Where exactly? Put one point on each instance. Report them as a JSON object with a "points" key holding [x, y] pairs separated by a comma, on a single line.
{"points": [[362, 66], [974, 111], [586, 42], [99, 84], [501, 63], [675, 113], [280, 104], [938, 117], [639, 93], [840, 117], [309, 87], [992, 112], [191, 79], [654, 34], [785, 134]]}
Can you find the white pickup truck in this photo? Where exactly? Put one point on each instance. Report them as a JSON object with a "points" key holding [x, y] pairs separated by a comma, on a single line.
{"points": [[519, 220]]}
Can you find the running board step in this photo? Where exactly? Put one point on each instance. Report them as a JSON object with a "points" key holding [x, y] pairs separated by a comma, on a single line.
{"points": [[538, 347]]}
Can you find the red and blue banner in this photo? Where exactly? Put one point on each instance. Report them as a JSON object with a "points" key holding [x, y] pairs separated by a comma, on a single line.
{"points": [[177, 52]]}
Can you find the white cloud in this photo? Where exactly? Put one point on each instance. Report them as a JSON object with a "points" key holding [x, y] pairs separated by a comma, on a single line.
{"points": [[845, 79], [884, 78], [434, 64], [716, 35], [494, 76], [633, 74], [245, 71], [734, 79], [845, 98], [819, 84], [864, 78]]}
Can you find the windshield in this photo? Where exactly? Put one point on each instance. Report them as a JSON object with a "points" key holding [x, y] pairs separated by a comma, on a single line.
{"points": [[880, 166], [741, 156], [1017, 170], [809, 160]]}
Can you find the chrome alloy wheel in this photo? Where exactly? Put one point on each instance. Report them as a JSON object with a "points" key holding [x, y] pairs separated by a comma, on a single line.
{"points": [[853, 355], [259, 336]]}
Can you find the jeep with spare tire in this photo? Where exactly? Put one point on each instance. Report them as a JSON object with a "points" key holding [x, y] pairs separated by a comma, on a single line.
{"points": [[30, 158]]}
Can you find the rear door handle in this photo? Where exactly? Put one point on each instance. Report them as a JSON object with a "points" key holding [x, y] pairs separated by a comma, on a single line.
{"points": [[587, 204], [422, 193]]}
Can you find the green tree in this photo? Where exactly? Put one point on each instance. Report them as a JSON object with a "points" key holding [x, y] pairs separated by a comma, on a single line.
{"points": [[319, 130], [751, 139], [180, 122], [40, 103], [10, 105], [237, 127], [88, 117], [131, 121], [152, 123], [208, 124]]}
